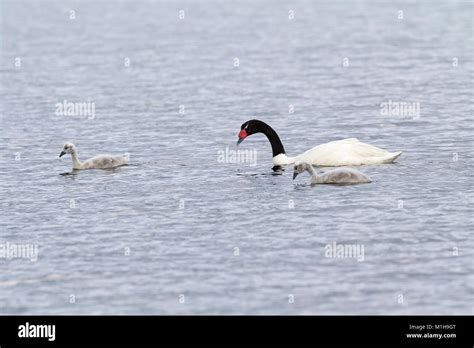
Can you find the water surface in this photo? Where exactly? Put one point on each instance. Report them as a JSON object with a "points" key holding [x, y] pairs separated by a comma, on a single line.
{"points": [[165, 230]]}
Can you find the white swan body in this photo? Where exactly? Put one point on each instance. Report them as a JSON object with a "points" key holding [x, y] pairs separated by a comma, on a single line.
{"points": [[338, 176], [346, 152], [97, 162]]}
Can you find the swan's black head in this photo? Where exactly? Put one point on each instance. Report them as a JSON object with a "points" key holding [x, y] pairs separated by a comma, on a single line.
{"points": [[248, 128], [256, 126]]}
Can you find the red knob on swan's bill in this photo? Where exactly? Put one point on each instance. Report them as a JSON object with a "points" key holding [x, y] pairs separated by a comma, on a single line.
{"points": [[242, 136]]}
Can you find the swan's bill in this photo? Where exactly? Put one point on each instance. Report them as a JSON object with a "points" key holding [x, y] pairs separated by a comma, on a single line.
{"points": [[242, 136]]}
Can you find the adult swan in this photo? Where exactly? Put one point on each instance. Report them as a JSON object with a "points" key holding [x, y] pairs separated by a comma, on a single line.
{"points": [[346, 152]]}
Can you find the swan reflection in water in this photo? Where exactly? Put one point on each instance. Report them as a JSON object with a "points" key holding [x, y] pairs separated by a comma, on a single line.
{"points": [[75, 172]]}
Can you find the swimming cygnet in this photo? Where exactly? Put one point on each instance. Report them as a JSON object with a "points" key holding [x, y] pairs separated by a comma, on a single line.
{"points": [[97, 162], [338, 176]]}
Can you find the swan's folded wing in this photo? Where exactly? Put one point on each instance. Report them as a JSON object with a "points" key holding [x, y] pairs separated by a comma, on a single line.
{"points": [[106, 161], [347, 152]]}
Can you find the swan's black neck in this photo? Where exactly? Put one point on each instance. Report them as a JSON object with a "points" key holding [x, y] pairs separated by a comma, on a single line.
{"points": [[277, 146]]}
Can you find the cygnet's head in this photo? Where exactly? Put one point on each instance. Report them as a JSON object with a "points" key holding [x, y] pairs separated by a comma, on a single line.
{"points": [[68, 148], [299, 168]]}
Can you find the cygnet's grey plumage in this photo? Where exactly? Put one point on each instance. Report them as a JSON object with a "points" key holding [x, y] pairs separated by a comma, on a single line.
{"points": [[97, 162], [338, 176]]}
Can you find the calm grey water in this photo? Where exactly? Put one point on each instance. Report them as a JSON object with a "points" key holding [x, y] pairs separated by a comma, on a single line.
{"points": [[180, 231]]}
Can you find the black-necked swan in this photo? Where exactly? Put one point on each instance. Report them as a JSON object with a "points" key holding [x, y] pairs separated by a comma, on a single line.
{"points": [[346, 152], [97, 162], [338, 176]]}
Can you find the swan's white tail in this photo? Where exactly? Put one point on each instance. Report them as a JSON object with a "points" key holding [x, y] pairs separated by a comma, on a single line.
{"points": [[392, 157]]}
